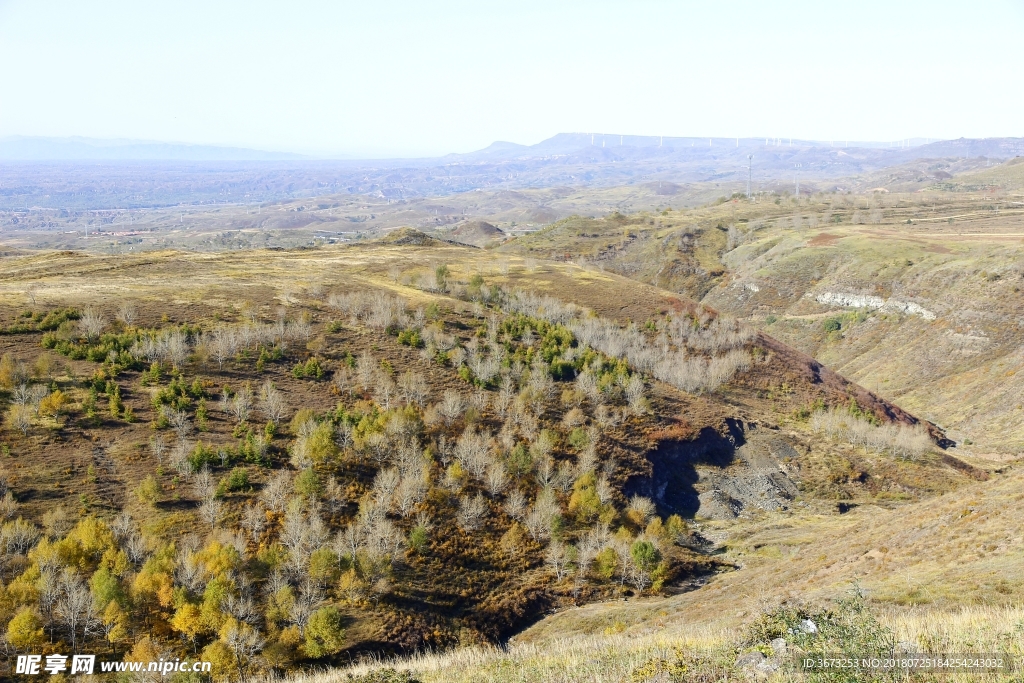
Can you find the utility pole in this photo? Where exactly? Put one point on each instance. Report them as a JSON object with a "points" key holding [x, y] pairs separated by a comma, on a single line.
{"points": [[797, 176], [750, 158]]}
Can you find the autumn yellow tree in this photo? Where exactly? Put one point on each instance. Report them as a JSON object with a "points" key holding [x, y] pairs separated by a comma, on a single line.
{"points": [[188, 621], [25, 631]]}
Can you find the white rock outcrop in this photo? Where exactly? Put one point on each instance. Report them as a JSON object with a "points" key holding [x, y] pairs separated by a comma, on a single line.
{"points": [[852, 300]]}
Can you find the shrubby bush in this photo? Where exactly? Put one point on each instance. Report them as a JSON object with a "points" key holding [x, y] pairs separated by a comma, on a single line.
{"points": [[897, 439]]}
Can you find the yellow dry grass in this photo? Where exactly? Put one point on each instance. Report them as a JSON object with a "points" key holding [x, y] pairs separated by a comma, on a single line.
{"points": [[611, 658]]}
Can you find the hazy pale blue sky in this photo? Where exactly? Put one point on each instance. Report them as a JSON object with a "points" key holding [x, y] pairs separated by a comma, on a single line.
{"points": [[418, 77]]}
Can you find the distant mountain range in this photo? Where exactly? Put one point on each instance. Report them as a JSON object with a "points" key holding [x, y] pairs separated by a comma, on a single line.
{"points": [[84, 173], [598, 146], [609, 147], [20, 148]]}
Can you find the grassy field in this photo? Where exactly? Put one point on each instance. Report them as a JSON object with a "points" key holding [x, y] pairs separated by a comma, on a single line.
{"points": [[710, 651]]}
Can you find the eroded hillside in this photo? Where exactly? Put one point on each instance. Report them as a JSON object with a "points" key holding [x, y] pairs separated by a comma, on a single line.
{"points": [[916, 296], [317, 453]]}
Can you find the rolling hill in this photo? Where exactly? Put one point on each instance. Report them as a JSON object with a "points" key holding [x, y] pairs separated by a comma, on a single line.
{"points": [[399, 445]]}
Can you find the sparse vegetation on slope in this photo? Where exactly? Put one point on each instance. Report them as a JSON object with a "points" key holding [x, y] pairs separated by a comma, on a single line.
{"points": [[354, 465]]}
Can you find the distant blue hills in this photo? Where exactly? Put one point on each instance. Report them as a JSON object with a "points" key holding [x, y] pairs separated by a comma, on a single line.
{"points": [[23, 148], [593, 146]]}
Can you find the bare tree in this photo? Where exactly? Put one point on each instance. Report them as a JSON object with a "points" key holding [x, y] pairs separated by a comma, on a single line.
{"points": [[242, 608], [316, 291], [272, 403], [452, 405], [223, 346], [587, 460], [300, 329], [557, 559], [366, 371], [546, 469], [634, 389], [91, 323], [480, 400], [275, 492], [180, 456], [384, 391], [56, 521], [641, 507], [539, 519], [135, 547], [254, 520], [343, 435], [245, 642], [21, 395], [379, 447], [159, 448], [515, 505], [384, 486], [20, 417], [587, 384], [49, 587], [471, 512], [241, 404], [586, 552], [177, 348], [123, 525], [573, 418], [204, 486], [410, 491], [343, 380], [566, 476], [74, 607], [536, 525], [18, 536], [210, 511], [8, 506], [473, 452], [127, 313], [334, 495], [497, 478], [179, 421], [188, 570], [506, 394], [413, 387]]}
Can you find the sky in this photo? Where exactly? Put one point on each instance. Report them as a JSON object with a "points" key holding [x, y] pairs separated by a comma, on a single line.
{"points": [[403, 78]]}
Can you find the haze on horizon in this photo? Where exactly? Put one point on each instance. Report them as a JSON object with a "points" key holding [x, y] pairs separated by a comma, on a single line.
{"points": [[403, 78]]}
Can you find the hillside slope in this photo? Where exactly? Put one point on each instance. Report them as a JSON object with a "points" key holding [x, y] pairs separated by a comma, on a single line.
{"points": [[943, 574], [411, 441], [916, 296]]}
